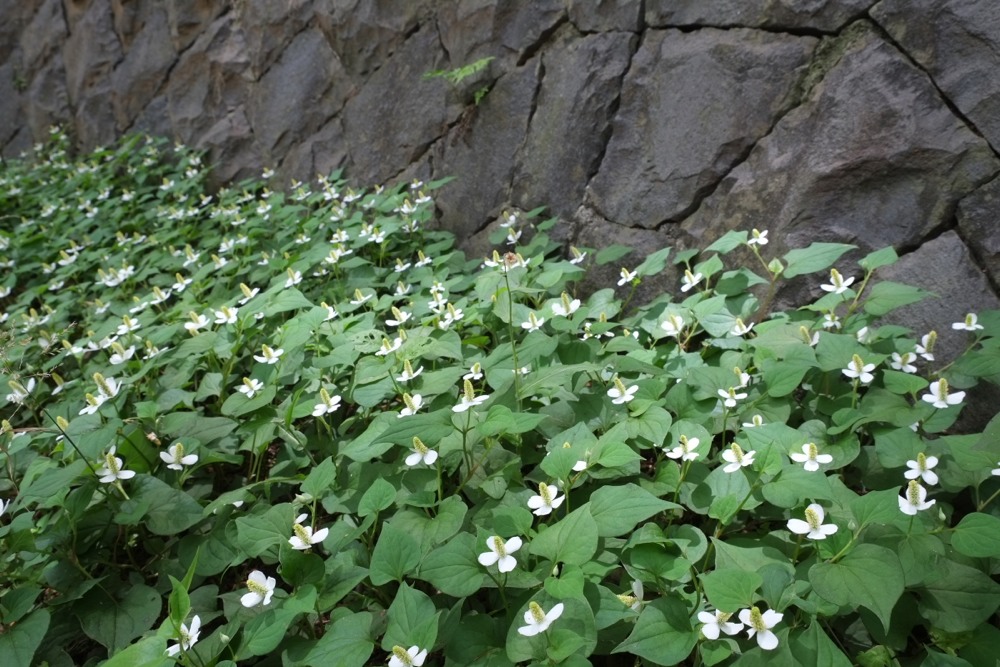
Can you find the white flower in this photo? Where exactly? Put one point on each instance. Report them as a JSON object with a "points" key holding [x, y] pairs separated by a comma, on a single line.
{"points": [[859, 370], [112, 470], [939, 396], [226, 315], [914, 499], [331, 312], [538, 620], [261, 589], [247, 293], [533, 323], [250, 387], [545, 501], [412, 404], [736, 458], [269, 356], [996, 471], [188, 638], [175, 458], [627, 276], [810, 458], [926, 347], [812, 527], [128, 325], [685, 450], [411, 657], [294, 278], [740, 328], [408, 372], [904, 362], [690, 280], [4, 506], [810, 338], [469, 398], [730, 397], [970, 323], [197, 322], [831, 321], [759, 238], [565, 307], [633, 601], [475, 372], [303, 536], [922, 468], [326, 403], [620, 393], [761, 624], [360, 297], [673, 325], [400, 317], [20, 392], [837, 283], [421, 452], [388, 348], [500, 553], [578, 256], [716, 621], [754, 422]]}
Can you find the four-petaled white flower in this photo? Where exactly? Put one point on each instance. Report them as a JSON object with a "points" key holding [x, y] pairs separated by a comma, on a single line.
{"points": [[303, 536], [904, 362], [736, 458], [475, 372], [813, 527], [176, 459], [627, 276], [250, 387], [859, 370], [837, 283], [545, 501], [469, 398], [565, 307], [226, 315], [971, 323], [197, 322], [388, 348], [408, 372], [421, 453], [538, 620], [761, 624], [740, 328], [685, 450], [269, 356], [294, 278], [922, 468], [620, 393], [690, 280], [500, 553], [412, 404], [939, 396], [407, 657], [533, 323], [261, 589], [754, 422], [326, 403], [717, 621], [578, 256], [188, 637], [399, 317], [810, 458], [730, 397], [926, 347], [673, 325], [112, 470], [914, 499], [758, 238]]}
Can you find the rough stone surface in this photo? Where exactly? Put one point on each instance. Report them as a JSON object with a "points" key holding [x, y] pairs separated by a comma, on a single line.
{"points": [[692, 105], [825, 15], [979, 225], [958, 43], [569, 127], [872, 157], [645, 122]]}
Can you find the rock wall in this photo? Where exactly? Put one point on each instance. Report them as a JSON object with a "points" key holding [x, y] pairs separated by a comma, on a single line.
{"points": [[642, 122]]}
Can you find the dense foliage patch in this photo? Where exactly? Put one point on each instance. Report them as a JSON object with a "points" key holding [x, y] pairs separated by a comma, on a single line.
{"points": [[302, 429]]}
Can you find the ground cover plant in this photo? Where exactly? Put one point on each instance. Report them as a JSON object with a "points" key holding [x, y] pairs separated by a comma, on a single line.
{"points": [[266, 428]]}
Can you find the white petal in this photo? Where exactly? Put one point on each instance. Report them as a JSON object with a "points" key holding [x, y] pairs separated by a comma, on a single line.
{"points": [[767, 640]]}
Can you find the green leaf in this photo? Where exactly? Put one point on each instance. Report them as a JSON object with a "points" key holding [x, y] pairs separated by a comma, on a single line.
{"points": [[617, 510], [959, 599], [453, 568], [731, 590], [413, 619], [611, 253], [663, 634], [728, 242], [238, 405], [115, 620], [878, 507], [902, 383], [19, 642], [796, 485], [654, 263], [379, 496], [258, 532], [816, 257], [147, 652], [193, 425], [347, 643], [814, 648], [264, 633], [52, 483], [572, 540], [320, 479], [879, 258], [164, 510], [888, 296], [977, 535], [396, 554], [869, 576]]}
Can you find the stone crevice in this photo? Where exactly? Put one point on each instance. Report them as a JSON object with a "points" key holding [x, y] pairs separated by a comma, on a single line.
{"points": [[535, 47]]}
